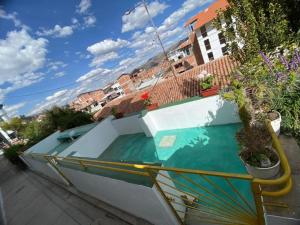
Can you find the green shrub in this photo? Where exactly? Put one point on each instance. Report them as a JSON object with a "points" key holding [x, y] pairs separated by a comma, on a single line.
{"points": [[11, 153], [206, 83]]}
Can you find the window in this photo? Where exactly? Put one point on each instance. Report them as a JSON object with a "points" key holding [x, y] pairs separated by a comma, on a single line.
{"points": [[224, 50], [203, 31], [221, 38], [210, 56], [187, 51], [192, 25], [207, 44]]}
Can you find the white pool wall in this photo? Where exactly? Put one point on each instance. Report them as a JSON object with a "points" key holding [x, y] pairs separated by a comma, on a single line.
{"points": [[208, 111]]}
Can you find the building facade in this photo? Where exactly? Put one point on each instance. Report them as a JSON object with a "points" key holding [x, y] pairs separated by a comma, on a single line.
{"points": [[187, 55], [211, 40]]}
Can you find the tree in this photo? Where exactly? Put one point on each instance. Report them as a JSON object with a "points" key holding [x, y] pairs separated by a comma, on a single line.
{"points": [[258, 25], [15, 124], [64, 118], [57, 118], [292, 10]]}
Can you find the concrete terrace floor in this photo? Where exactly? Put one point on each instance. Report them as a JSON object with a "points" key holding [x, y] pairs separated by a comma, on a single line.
{"points": [[292, 199], [29, 199]]}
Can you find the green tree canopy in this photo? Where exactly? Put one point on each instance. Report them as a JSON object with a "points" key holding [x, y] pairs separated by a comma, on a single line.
{"points": [[257, 25], [15, 124]]}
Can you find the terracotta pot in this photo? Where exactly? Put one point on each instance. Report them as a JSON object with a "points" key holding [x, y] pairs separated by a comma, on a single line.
{"points": [[152, 106], [210, 91], [119, 115]]}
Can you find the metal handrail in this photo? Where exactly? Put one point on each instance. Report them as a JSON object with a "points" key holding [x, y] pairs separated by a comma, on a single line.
{"points": [[284, 179], [147, 170]]}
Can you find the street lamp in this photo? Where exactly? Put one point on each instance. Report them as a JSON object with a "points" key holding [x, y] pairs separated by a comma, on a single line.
{"points": [[144, 3]]}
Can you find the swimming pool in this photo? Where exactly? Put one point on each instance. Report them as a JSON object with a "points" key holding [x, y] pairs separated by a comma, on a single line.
{"points": [[211, 148], [194, 148]]}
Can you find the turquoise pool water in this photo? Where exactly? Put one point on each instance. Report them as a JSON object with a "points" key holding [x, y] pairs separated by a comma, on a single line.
{"points": [[208, 148], [212, 148]]}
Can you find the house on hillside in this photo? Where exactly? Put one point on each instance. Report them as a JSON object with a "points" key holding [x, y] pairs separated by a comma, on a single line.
{"points": [[126, 83], [187, 55], [90, 101], [211, 41]]}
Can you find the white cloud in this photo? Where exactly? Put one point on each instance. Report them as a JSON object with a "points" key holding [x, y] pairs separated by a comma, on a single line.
{"points": [[60, 74], [89, 20], [92, 74], [56, 95], [13, 110], [83, 6], [21, 57], [57, 31], [59, 98], [10, 16], [56, 65], [74, 20], [99, 60], [90, 81], [106, 50], [106, 46], [138, 18]]}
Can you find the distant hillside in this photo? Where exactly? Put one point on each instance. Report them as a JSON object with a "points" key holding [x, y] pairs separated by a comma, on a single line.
{"points": [[154, 61]]}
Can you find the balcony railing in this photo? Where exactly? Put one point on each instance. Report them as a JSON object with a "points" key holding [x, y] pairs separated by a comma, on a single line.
{"points": [[197, 195]]}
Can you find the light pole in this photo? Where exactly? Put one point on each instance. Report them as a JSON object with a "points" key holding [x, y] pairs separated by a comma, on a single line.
{"points": [[144, 3]]}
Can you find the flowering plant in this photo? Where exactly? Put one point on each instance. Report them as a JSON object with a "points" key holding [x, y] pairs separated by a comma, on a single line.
{"points": [[146, 98]]}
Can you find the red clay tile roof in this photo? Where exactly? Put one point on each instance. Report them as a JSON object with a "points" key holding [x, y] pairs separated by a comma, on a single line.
{"points": [[184, 44], [167, 90], [208, 14]]}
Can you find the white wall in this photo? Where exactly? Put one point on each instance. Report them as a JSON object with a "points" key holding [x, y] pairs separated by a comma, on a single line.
{"points": [[167, 189], [45, 145], [138, 200], [95, 142], [44, 168], [149, 125], [128, 125], [204, 112], [212, 35]]}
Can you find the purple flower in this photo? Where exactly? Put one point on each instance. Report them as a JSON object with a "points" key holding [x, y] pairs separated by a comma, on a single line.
{"points": [[284, 61], [297, 55], [267, 60], [279, 76], [293, 65]]}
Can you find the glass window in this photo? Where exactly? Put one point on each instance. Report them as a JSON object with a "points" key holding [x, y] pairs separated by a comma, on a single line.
{"points": [[203, 31], [224, 50], [221, 38], [210, 56], [207, 44], [187, 51]]}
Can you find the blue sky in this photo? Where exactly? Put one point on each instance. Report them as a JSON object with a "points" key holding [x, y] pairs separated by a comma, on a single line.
{"points": [[50, 51]]}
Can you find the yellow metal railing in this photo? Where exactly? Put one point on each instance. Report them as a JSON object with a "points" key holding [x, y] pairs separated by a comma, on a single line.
{"points": [[195, 192]]}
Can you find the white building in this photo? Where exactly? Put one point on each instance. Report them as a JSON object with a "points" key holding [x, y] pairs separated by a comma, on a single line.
{"points": [[4, 136], [211, 41]]}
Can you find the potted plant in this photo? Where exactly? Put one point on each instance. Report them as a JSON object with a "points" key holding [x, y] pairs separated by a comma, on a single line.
{"points": [[275, 119], [260, 159], [147, 102], [116, 114], [207, 88]]}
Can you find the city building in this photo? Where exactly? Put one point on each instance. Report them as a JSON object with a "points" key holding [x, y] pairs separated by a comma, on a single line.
{"points": [[211, 41], [126, 83], [187, 55], [90, 101]]}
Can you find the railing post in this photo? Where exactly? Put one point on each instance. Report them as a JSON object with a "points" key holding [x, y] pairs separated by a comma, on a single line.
{"points": [[57, 169], [153, 178], [258, 203]]}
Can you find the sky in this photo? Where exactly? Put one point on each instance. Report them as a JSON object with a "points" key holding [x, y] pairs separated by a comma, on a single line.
{"points": [[53, 50]]}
